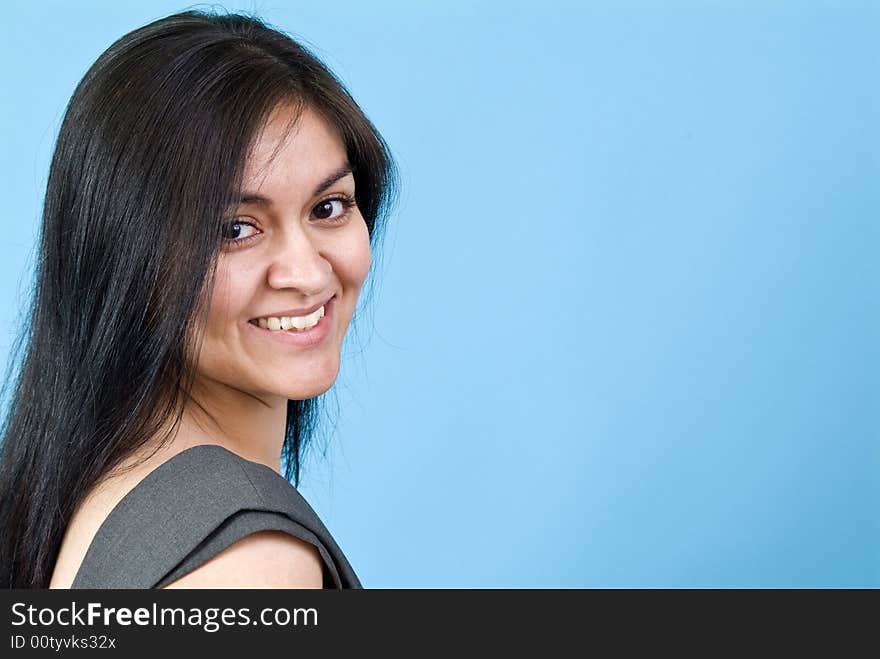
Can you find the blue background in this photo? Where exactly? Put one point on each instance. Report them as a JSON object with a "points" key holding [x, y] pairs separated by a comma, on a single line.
{"points": [[625, 329]]}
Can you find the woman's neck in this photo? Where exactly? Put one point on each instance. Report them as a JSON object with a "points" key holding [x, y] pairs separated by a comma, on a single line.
{"points": [[248, 425]]}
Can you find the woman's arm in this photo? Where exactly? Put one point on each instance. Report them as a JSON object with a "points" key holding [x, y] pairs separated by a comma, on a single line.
{"points": [[265, 559]]}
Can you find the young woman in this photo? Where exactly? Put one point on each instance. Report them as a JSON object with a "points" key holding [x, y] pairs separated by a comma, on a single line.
{"points": [[213, 203]]}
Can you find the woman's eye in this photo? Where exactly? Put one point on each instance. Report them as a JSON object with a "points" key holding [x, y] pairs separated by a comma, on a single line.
{"points": [[237, 231], [335, 209]]}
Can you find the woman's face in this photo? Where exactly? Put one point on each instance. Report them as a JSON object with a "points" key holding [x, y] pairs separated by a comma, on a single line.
{"points": [[295, 244]]}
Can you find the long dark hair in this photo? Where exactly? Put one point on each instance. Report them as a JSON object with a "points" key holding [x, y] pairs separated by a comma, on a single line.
{"points": [[148, 160]]}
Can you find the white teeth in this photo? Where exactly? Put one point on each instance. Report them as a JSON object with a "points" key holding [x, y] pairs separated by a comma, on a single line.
{"points": [[289, 322]]}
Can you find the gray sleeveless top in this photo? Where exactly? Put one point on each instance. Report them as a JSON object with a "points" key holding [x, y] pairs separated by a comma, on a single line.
{"points": [[190, 508]]}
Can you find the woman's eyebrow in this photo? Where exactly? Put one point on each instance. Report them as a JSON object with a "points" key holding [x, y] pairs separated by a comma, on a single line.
{"points": [[254, 198]]}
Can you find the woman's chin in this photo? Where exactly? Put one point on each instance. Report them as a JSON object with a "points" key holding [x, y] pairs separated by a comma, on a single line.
{"points": [[301, 389], [302, 393]]}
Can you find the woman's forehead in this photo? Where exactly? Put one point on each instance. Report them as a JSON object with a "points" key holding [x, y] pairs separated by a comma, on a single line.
{"points": [[293, 148]]}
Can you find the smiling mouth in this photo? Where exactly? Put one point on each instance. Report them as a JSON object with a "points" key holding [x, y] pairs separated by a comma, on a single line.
{"points": [[293, 324], [296, 323]]}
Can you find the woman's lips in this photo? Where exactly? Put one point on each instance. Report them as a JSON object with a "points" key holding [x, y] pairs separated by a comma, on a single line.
{"points": [[302, 338], [292, 312]]}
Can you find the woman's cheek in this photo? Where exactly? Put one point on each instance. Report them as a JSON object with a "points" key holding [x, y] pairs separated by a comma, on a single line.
{"points": [[359, 254], [224, 300]]}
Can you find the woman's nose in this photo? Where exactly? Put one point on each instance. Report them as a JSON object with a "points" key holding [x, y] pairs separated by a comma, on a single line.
{"points": [[297, 262]]}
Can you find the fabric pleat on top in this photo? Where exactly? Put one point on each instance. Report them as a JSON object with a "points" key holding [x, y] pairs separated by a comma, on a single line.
{"points": [[190, 508]]}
